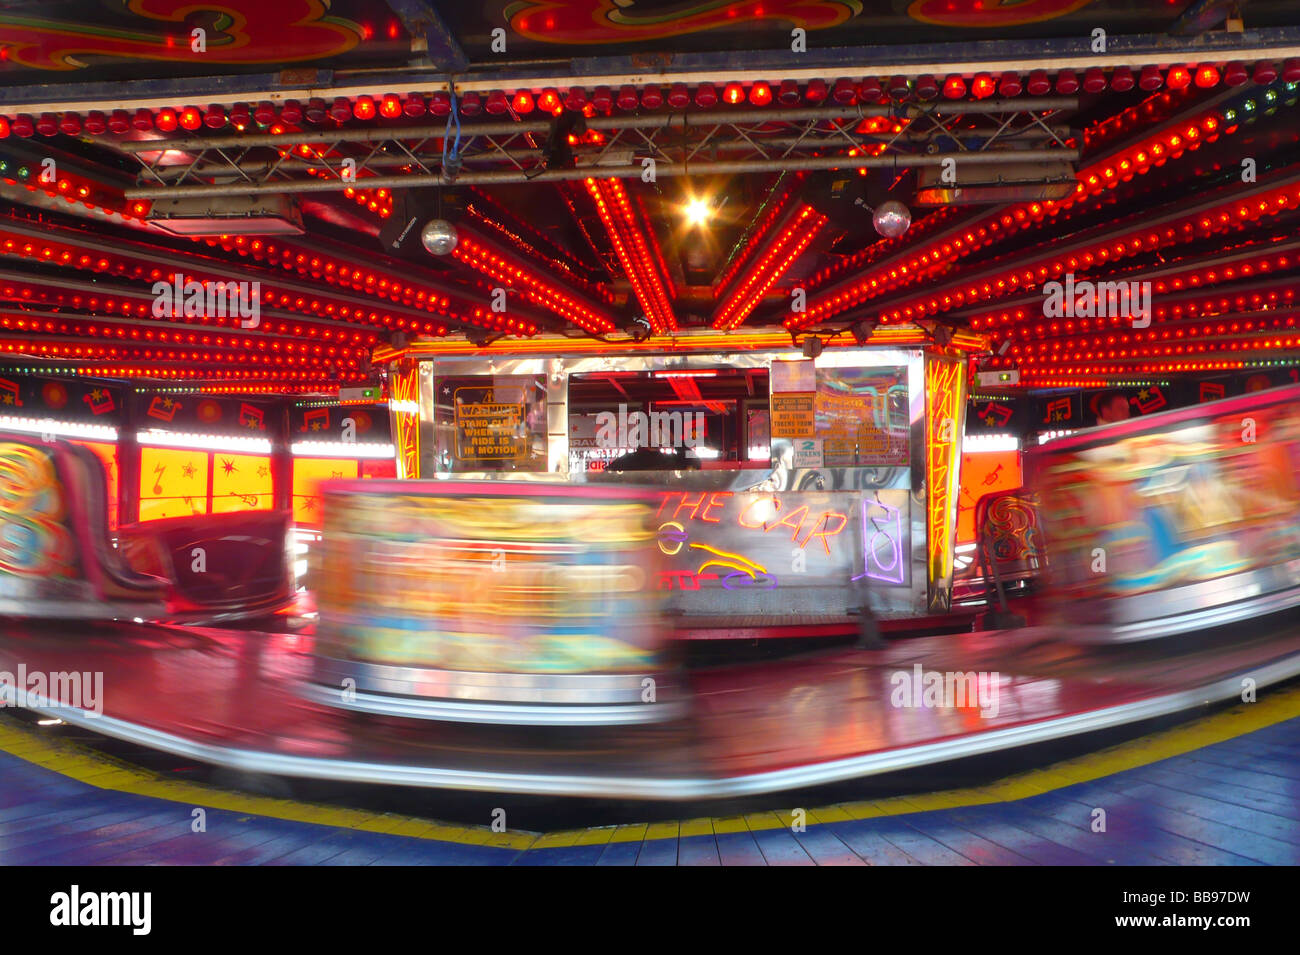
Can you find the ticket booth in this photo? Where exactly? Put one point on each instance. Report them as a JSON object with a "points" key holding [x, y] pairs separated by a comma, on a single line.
{"points": [[787, 487]]}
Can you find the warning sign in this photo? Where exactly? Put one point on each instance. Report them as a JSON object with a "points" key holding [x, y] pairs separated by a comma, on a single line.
{"points": [[488, 430], [794, 416]]}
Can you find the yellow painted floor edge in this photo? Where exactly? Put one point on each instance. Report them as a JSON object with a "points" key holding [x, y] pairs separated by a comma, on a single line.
{"points": [[104, 772]]}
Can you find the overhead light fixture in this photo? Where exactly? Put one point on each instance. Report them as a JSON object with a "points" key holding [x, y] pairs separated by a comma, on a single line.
{"points": [[943, 335], [439, 237], [812, 346], [891, 218], [697, 211], [862, 330], [229, 215], [638, 328]]}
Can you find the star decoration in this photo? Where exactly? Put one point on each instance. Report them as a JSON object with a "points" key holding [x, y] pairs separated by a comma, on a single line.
{"points": [[8, 399], [228, 466], [188, 471], [263, 471]]}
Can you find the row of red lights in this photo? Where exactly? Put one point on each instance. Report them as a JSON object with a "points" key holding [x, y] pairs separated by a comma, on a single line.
{"points": [[843, 91], [93, 195], [767, 269], [775, 212], [1159, 341], [537, 288], [67, 326], [338, 271], [1151, 111], [1016, 319], [135, 303], [162, 353], [625, 233], [1262, 202], [528, 250], [1097, 177], [70, 253]]}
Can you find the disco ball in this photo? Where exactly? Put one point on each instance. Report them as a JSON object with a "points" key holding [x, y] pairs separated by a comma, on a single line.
{"points": [[439, 236], [891, 218]]}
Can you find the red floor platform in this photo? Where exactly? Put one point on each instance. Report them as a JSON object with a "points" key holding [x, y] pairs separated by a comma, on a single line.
{"points": [[233, 699]]}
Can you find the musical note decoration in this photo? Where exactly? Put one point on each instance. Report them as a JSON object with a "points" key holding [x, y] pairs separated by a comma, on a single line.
{"points": [[316, 419], [252, 417], [9, 393]]}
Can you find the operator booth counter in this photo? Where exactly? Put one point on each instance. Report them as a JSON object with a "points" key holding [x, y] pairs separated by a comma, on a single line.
{"points": [[781, 486]]}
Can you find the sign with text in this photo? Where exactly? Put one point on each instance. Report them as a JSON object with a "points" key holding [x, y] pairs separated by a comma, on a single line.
{"points": [[862, 416], [489, 430], [794, 415], [490, 423], [808, 453]]}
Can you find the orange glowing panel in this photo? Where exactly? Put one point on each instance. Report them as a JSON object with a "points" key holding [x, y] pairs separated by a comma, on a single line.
{"points": [[308, 473], [378, 468], [983, 472], [173, 483], [241, 482], [944, 413], [106, 451]]}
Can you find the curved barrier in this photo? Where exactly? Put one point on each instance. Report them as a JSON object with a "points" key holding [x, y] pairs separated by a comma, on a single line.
{"points": [[221, 567], [56, 557], [1174, 522], [489, 603]]}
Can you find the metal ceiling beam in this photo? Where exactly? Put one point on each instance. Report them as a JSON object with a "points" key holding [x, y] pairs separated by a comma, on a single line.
{"points": [[621, 171]]}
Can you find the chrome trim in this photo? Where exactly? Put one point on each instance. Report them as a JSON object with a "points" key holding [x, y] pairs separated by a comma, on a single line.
{"points": [[81, 610], [248, 760], [428, 684], [514, 714], [1170, 626]]}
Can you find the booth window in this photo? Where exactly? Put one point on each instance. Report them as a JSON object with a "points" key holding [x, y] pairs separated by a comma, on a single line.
{"points": [[688, 419]]}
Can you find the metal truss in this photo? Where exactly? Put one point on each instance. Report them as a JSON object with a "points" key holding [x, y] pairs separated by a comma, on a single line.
{"points": [[679, 143]]}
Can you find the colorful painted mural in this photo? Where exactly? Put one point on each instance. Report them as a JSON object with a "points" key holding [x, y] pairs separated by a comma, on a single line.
{"points": [[34, 537]]}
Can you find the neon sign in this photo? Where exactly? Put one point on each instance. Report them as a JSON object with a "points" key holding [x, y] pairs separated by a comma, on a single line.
{"points": [[882, 528], [944, 383], [756, 514]]}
